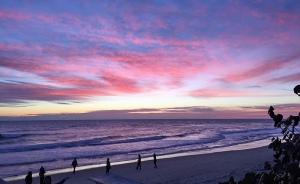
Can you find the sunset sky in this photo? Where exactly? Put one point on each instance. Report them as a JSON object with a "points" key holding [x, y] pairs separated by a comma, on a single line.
{"points": [[148, 59]]}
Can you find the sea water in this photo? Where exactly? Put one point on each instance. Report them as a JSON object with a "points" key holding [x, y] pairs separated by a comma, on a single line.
{"points": [[28, 145]]}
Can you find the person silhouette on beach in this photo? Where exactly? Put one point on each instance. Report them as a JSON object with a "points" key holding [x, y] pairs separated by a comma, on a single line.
{"points": [[28, 178], [154, 160], [2, 181], [139, 162], [42, 175], [74, 164], [107, 165], [48, 180]]}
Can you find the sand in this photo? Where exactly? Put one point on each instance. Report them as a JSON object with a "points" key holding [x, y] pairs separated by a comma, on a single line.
{"points": [[208, 168]]}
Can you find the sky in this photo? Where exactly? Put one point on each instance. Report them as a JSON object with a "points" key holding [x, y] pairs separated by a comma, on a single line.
{"points": [[148, 59]]}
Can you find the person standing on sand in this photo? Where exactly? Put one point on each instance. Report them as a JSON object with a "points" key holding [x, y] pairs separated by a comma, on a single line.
{"points": [[48, 180], [139, 162], [28, 178], [154, 160], [74, 164], [42, 175], [107, 165], [2, 181]]}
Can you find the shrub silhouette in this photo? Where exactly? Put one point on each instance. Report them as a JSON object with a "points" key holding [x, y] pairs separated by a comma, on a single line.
{"points": [[287, 153]]}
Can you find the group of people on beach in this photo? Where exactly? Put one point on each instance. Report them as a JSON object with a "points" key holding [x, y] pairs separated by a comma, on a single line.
{"points": [[139, 162], [43, 180], [47, 179]]}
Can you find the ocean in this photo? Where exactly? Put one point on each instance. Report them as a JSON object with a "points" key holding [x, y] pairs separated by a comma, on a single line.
{"points": [[28, 145]]}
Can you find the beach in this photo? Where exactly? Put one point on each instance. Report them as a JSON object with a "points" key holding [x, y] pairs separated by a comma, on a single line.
{"points": [[28, 145], [209, 168]]}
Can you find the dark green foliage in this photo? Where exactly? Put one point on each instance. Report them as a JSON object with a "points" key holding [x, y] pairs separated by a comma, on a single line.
{"points": [[286, 169], [249, 178]]}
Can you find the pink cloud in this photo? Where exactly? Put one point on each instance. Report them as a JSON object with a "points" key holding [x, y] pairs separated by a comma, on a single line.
{"points": [[13, 15], [121, 84], [262, 68], [213, 93], [286, 79], [25, 91]]}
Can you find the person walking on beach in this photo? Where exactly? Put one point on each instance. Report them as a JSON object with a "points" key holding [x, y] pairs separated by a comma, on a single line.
{"points": [[154, 160], [107, 165], [74, 164], [48, 180], [2, 181], [42, 175], [139, 162], [28, 178]]}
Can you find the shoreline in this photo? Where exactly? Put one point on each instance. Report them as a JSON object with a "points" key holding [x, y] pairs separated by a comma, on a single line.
{"points": [[85, 169]]}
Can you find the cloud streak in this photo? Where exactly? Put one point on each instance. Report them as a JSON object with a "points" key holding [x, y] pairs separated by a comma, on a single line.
{"points": [[192, 112]]}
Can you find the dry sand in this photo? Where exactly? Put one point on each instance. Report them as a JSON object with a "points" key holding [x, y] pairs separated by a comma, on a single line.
{"points": [[205, 168]]}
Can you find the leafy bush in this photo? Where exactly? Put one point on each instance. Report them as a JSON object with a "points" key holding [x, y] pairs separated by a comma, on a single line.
{"points": [[287, 154]]}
